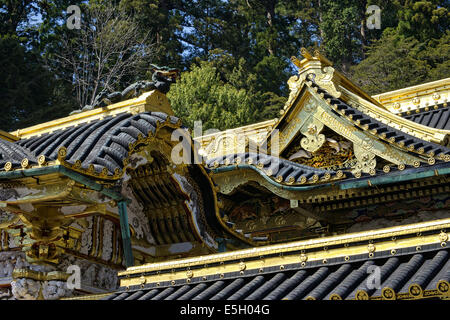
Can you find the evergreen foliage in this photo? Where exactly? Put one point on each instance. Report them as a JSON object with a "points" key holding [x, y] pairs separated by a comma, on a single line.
{"points": [[234, 53]]}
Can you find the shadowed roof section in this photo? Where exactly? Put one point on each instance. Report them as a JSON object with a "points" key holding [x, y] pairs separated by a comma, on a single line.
{"points": [[439, 118], [281, 169], [102, 143], [385, 132], [408, 274]]}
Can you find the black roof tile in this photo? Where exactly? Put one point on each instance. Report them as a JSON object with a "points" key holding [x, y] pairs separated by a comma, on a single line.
{"points": [[101, 143], [339, 281], [439, 119]]}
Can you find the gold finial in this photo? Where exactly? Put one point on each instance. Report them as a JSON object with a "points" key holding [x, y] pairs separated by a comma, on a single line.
{"points": [[305, 53], [322, 59]]}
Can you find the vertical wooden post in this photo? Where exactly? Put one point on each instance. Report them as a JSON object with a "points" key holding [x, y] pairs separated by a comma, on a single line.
{"points": [[126, 238]]}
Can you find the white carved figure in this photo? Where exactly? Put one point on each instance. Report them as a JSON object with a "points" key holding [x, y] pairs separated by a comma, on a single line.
{"points": [[53, 290], [8, 269], [25, 289]]}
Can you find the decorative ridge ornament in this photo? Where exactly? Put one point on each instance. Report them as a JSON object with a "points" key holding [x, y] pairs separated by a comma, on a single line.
{"points": [[319, 69]]}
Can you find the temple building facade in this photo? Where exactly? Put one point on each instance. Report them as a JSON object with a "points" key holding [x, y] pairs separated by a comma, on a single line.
{"points": [[344, 196]]}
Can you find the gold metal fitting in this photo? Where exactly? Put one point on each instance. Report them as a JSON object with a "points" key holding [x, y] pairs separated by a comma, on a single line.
{"points": [[8, 166], [361, 295], [443, 237], [388, 293], [401, 166], [189, 274], [41, 160], [242, 266], [431, 161], [279, 179], [443, 286], [415, 290], [24, 163], [386, 169], [436, 96], [62, 153]]}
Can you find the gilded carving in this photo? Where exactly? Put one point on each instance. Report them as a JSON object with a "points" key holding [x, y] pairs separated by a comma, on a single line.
{"points": [[336, 153], [313, 140], [366, 160]]}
